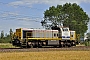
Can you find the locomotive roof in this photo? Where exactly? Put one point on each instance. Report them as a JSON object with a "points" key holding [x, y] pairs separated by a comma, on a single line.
{"points": [[36, 29], [64, 27]]}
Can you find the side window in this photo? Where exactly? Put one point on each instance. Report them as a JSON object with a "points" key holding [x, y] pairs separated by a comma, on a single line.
{"points": [[65, 29], [28, 34], [54, 35], [71, 35], [57, 35]]}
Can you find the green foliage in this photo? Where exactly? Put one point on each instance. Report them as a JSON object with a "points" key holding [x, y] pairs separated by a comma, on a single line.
{"points": [[72, 16], [87, 42], [88, 35], [7, 37], [6, 45], [11, 33], [5, 40], [77, 19], [2, 34]]}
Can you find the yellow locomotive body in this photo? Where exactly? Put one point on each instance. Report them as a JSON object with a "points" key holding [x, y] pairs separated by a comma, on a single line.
{"points": [[39, 37]]}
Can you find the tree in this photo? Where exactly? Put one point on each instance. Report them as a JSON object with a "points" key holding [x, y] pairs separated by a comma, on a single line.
{"points": [[11, 33], [87, 41], [72, 16], [7, 37], [88, 35], [2, 34], [5, 34]]}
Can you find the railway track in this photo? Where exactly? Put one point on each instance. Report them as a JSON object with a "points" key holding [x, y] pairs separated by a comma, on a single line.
{"points": [[78, 48]]}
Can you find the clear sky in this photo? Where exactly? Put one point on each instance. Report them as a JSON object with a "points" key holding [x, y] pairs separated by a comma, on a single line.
{"points": [[28, 13]]}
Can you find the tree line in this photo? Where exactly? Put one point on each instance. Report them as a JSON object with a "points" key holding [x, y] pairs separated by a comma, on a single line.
{"points": [[6, 38]]}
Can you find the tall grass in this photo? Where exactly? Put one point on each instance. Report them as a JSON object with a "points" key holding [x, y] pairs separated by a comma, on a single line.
{"points": [[6, 45], [49, 55]]}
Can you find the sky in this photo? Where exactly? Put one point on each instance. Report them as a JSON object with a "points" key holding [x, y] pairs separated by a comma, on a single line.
{"points": [[29, 13]]}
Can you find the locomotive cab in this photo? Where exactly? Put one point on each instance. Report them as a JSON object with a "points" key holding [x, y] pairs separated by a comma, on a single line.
{"points": [[65, 33]]}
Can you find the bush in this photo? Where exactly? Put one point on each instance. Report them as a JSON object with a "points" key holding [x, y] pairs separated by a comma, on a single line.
{"points": [[87, 42], [5, 40]]}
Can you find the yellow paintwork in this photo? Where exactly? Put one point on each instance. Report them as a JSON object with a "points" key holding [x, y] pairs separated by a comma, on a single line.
{"points": [[44, 38], [74, 36], [19, 33]]}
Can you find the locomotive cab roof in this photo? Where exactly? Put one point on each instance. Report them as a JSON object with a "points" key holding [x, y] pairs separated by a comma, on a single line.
{"points": [[60, 28], [64, 29]]}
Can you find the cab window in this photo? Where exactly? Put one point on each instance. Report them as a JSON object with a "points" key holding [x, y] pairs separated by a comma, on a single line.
{"points": [[65, 29]]}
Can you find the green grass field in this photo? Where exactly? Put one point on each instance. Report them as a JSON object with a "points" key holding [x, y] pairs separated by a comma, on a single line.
{"points": [[44, 55], [6, 45], [48, 55]]}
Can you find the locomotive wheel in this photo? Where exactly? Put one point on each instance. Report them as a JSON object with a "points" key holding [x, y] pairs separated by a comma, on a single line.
{"points": [[69, 44], [31, 45]]}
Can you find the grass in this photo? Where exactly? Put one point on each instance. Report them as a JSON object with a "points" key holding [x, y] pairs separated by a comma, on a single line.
{"points": [[49, 55], [6, 45]]}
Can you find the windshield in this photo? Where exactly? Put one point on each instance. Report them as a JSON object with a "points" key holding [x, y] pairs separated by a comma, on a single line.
{"points": [[65, 29]]}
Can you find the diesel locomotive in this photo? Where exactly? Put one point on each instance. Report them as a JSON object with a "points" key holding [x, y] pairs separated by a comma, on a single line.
{"points": [[57, 37]]}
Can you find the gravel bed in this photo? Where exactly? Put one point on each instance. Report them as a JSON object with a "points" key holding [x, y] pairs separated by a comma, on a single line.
{"points": [[78, 48]]}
